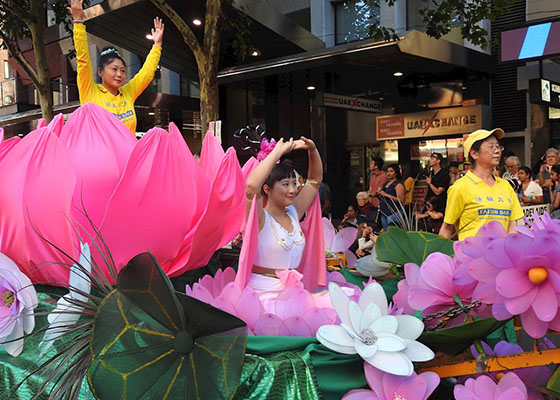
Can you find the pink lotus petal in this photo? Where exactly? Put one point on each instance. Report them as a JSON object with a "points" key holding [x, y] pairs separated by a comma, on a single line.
{"points": [[516, 246], [420, 298], [226, 203], [295, 326], [228, 276], [249, 166], [507, 383], [211, 155], [315, 318], [344, 239], [500, 312], [249, 307], [298, 304], [7, 145], [202, 293], [360, 394], [232, 292], [223, 304], [152, 201], [437, 272], [545, 305], [268, 325], [532, 325], [482, 270], [518, 305], [513, 283], [329, 232]]}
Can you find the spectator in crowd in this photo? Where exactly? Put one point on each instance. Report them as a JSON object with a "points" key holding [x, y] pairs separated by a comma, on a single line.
{"points": [[350, 218], [555, 204], [366, 211], [438, 178], [366, 241], [454, 172], [480, 197], [529, 191], [391, 197], [513, 163], [325, 198], [376, 180], [408, 182], [544, 180], [432, 217]]}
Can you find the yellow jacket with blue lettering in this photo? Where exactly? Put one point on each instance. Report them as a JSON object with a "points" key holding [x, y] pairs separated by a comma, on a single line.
{"points": [[121, 105]]}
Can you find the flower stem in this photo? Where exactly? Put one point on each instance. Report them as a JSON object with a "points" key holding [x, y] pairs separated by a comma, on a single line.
{"points": [[478, 346]]}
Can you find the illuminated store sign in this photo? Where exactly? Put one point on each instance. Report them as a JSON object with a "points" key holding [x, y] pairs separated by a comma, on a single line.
{"points": [[447, 121], [535, 41]]}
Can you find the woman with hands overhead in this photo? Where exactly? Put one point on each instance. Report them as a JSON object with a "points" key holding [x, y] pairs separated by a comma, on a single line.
{"points": [[280, 240], [114, 93]]}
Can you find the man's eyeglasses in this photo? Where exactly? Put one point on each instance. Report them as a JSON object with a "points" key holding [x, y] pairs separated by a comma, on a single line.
{"points": [[494, 148]]}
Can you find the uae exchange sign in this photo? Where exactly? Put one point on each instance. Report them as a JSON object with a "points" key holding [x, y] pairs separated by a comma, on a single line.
{"points": [[446, 121], [352, 103]]}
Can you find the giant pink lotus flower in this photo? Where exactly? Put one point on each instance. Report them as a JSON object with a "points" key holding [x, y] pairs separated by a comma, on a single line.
{"points": [[430, 288], [293, 311], [510, 387], [139, 195], [386, 386], [520, 275], [532, 377]]}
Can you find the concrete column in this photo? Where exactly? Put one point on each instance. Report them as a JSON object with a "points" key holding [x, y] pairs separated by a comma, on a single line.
{"points": [[394, 16], [322, 21]]}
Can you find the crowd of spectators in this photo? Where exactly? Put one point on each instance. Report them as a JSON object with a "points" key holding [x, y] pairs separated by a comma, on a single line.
{"points": [[389, 199]]}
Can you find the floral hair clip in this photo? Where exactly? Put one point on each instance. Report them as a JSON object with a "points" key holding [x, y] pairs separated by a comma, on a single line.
{"points": [[266, 148], [252, 139]]}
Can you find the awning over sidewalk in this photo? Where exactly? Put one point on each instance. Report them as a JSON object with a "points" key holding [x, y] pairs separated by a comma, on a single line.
{"points": [[414, 52]]}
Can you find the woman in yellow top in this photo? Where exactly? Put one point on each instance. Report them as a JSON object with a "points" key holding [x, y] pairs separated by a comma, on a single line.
{"points": [[480, 197], [112, 94]]}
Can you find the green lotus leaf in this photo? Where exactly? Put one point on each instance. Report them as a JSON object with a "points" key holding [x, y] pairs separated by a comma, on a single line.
{"points": [[456, 339], [553, 385], [149, 341], [399, 247]]}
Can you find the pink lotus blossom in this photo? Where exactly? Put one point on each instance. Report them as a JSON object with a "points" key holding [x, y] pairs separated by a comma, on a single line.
{"points": [[266, 147], [538, 223], [430, 288], [18, 299], [510, 387], [386, 386], [520, 275], [293, 311], [147, 194], [532, 377]]}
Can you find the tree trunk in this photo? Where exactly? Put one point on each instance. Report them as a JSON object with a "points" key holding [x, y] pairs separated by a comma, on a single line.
{"points": [[209, 99], [43, 84]]}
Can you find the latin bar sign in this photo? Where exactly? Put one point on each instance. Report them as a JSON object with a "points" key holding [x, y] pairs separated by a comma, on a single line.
{"points": [[543, 91], [352, 103]]}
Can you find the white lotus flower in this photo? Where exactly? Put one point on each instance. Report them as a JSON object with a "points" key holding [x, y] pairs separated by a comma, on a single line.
{"points": [[387, 342], [67, 312]]}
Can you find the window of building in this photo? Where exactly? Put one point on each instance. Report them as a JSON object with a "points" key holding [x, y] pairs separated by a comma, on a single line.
{"points": [[353, 20], [413, 18]]}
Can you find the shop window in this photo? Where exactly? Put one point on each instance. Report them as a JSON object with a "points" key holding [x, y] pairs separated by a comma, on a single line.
{"points": [[413, 18], [353, 20]]}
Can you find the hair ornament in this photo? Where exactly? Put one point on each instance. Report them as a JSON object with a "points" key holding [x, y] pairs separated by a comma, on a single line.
{"points": [[266, 148], [110, 50]]}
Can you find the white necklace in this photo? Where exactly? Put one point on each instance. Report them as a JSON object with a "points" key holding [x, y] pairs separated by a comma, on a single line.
{"points": [[281, 240]]}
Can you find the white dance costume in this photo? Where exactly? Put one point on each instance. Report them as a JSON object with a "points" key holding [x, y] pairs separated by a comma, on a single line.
{"points": [[277, 249]]}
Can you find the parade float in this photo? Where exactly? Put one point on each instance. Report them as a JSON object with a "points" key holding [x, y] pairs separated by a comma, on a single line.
{"points": [[93, 224]]}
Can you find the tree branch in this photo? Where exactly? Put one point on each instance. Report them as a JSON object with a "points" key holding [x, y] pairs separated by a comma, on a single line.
{"points": [[15, 10], [187, 33], [18, 55]]}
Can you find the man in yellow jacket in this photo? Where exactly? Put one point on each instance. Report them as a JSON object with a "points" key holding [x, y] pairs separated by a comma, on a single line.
{"points": [[113, 93]]}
